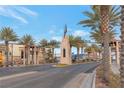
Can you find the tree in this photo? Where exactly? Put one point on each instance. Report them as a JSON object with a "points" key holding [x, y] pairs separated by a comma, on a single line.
{"points": [[104, 15], [89, 50], [7, 34], [97, 49], [27, 41], [104, 19], [53, 44], [98, 36], [93, 18], [122, 48], [43, 43], [78, 45]]}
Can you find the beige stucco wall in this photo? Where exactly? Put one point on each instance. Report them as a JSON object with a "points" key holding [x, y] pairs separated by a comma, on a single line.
{"points": [[16, 49]]}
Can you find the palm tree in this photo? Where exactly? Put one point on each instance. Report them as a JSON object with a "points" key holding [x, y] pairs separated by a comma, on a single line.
{"points": [[122, 48], [89, 50], [78, 45], [98, 36], [7, 34], [53, 44], [104, 19], [43, 43], [27, 41], [93, 20], [97, 49], [104, 14]]}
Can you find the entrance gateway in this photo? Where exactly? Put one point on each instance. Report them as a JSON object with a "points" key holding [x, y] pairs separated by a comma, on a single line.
{"points": [[65, 49]]}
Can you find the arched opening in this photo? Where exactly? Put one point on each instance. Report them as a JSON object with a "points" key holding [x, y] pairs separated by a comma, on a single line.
{"points": [[64, 52], [22, 53]]}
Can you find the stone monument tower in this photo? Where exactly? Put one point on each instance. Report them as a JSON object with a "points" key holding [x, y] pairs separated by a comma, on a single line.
{"points": [[65, 49]]}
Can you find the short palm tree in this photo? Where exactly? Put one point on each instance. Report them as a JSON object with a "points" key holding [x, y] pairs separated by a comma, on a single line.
{"points": [[122, 48], [78, 45], [53, 44], [43, 43], [89, 50], [97, 49], [27, 40], [7, 34]]}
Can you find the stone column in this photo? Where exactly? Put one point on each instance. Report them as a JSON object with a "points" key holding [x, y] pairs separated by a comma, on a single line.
{"points": [[117, 53], [24, 56], [28, 55], [110, 57], [35, 55]]}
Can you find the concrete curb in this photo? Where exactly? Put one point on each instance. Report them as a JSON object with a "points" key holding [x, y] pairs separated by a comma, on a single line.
{"points": [[89, 81], [94, 79]]}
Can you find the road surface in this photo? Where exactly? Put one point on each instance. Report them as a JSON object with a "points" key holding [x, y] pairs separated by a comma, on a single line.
{"points": [[42, 76]]}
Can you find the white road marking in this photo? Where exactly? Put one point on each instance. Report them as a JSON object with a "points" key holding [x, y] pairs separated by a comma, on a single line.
{"points": [[17, 75]]}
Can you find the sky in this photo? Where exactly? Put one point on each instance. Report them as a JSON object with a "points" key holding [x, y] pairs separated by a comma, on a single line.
{"points": [[45, 22]]}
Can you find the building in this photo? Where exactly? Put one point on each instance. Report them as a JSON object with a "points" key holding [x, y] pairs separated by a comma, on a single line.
{"points": [[20, 54]]}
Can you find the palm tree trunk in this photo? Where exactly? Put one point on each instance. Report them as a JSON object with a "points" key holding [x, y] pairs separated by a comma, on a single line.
{"points": [[32, 56], [122, 48], [7, 51], [104, 9], [28, 55]]}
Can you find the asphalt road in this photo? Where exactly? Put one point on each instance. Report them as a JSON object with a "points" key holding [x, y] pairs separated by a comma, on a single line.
{"points": [[43, 76]]}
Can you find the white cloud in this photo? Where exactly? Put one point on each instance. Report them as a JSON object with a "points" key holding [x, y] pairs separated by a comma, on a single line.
{"points": [[15, 13], [58, 38], [80, 33], [51, 32], [26, 11]]}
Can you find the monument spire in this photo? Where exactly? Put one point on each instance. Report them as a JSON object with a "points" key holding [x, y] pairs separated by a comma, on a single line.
{"points": [[65, 30]]}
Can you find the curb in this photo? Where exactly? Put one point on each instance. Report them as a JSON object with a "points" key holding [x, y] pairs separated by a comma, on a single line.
{"points": [[89, 80], [94, 79]]}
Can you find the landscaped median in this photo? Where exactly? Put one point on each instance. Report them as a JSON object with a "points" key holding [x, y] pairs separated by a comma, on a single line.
{"points": [[114, 79]]}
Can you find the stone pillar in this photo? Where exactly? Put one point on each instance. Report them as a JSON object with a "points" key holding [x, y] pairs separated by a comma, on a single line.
{"points": [[110, 57], [65, 51], [35, 55], [24, 56], [28, 55], [117, 53]]}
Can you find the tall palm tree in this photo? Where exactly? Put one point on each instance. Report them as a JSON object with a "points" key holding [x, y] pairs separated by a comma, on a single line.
{"points": [[93, 20], [97, 22], [104, 15], [27, 41], [98, 36], [7, 34], [122, 48]]}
